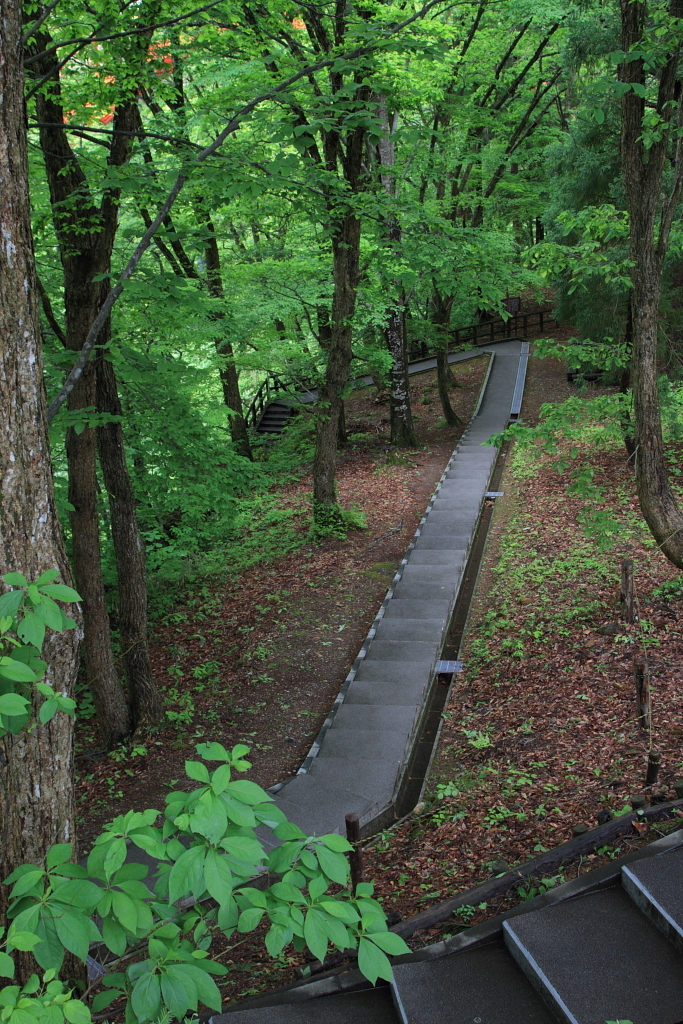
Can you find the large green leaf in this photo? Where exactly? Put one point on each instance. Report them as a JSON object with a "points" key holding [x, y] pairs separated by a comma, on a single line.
{"points": [[76, 1012], [372, 962], [125, 911], [31, 630], [335, 865], [197, 771], [70, 927], [218, 877], [6, 966], [114, 936], [12, 704], [207, 990], [315, 933], [10, 602], [60, 592], [178, 991], [389, 943], [146, 996], [187, 874]]}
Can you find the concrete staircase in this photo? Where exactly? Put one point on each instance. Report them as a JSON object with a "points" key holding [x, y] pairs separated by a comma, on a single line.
{"points": [[607, 946], [360, 759]]}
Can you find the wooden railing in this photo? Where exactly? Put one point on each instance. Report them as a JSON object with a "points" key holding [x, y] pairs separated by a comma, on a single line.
{"points": [[487, 331], [479, 334], [268, 389]]}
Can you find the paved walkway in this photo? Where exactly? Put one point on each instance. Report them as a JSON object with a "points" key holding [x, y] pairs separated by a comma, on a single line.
{"points": [[357, 762]]}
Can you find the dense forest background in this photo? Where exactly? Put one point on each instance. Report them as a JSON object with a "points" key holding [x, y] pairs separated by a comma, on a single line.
{"points": [[384, 174]]}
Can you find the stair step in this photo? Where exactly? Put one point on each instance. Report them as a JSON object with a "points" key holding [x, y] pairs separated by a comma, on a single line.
{"points": [[597, 958], [656, 887], [372, 1007], [481, 984]]}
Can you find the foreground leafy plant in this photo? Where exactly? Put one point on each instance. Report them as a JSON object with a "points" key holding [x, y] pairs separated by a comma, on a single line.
{"points": [[25, 613], [156, 935]]}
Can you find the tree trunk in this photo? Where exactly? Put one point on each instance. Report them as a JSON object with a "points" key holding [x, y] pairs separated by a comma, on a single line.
{"points": [[36, 767], [113, 714], [402, 429], [651, 213], [227, 369], [442, 316], [345, 251], [129, 552]]}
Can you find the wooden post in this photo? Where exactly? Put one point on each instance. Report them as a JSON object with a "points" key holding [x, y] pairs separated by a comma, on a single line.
{"points": [[628, 604], [653, 760], [356, 854], [641, 678]]}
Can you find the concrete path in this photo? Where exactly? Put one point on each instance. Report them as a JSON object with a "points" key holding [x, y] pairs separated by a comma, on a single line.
{"points": [[356, 764]]}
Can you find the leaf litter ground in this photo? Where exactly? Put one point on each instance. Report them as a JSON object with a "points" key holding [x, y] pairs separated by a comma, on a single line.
{"points": [[539, 733]]}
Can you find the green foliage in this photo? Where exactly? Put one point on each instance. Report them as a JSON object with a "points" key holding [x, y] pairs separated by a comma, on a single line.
{"points": [[335, 521], [27, 610], [208, 854]]}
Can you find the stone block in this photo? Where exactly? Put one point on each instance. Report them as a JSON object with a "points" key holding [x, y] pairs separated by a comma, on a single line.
{"points": [[371, 1007]]}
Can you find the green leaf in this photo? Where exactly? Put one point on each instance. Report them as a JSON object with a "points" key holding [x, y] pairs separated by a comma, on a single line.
{"points": [[196, 770], [15, 579], [244, 848], [31, 630], [27, 881], [288, 831], [372, 962], [317, 886], [24, 941], [218, 877], [248, 792], [48, 710], [60, 853], [338, 908], [277, 937], [103, 999], [10, 603], [250, 919], [335, 865], [114, 936], [76, 1012], [146, 996], [125, 911], [336, 843], [49, 952], [207, 989], [220, 779], [178, 991], [50, 613], [187, 874], [315, 933], [73, 932], [389, 943], [212, 752], [6, 966], [12, 704], [47, 577], [60, 592]]}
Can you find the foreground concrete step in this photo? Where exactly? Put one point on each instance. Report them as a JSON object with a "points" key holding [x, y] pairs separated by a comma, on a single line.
{"points": [[431, 556], [436, 541], [597, 958], [364, 744], [449, 574], [437, 610], [479, 985], [385, 692], [413, 590], [656, 887], [371, 671], [420, 651], [394, 717], [374, 1007], [430, 630], [372, 777], [318, 806]]}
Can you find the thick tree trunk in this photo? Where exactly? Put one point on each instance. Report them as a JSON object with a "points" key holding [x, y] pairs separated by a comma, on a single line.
{"points": [[36, 767], [346, 251], [129, 552], [651, 213]]}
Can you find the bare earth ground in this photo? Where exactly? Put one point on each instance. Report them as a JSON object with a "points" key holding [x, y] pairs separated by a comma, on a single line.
{"points": [[259, 658]]}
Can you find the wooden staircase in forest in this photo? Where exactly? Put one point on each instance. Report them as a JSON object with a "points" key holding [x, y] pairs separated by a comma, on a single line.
{"points": [[279, 395]]}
